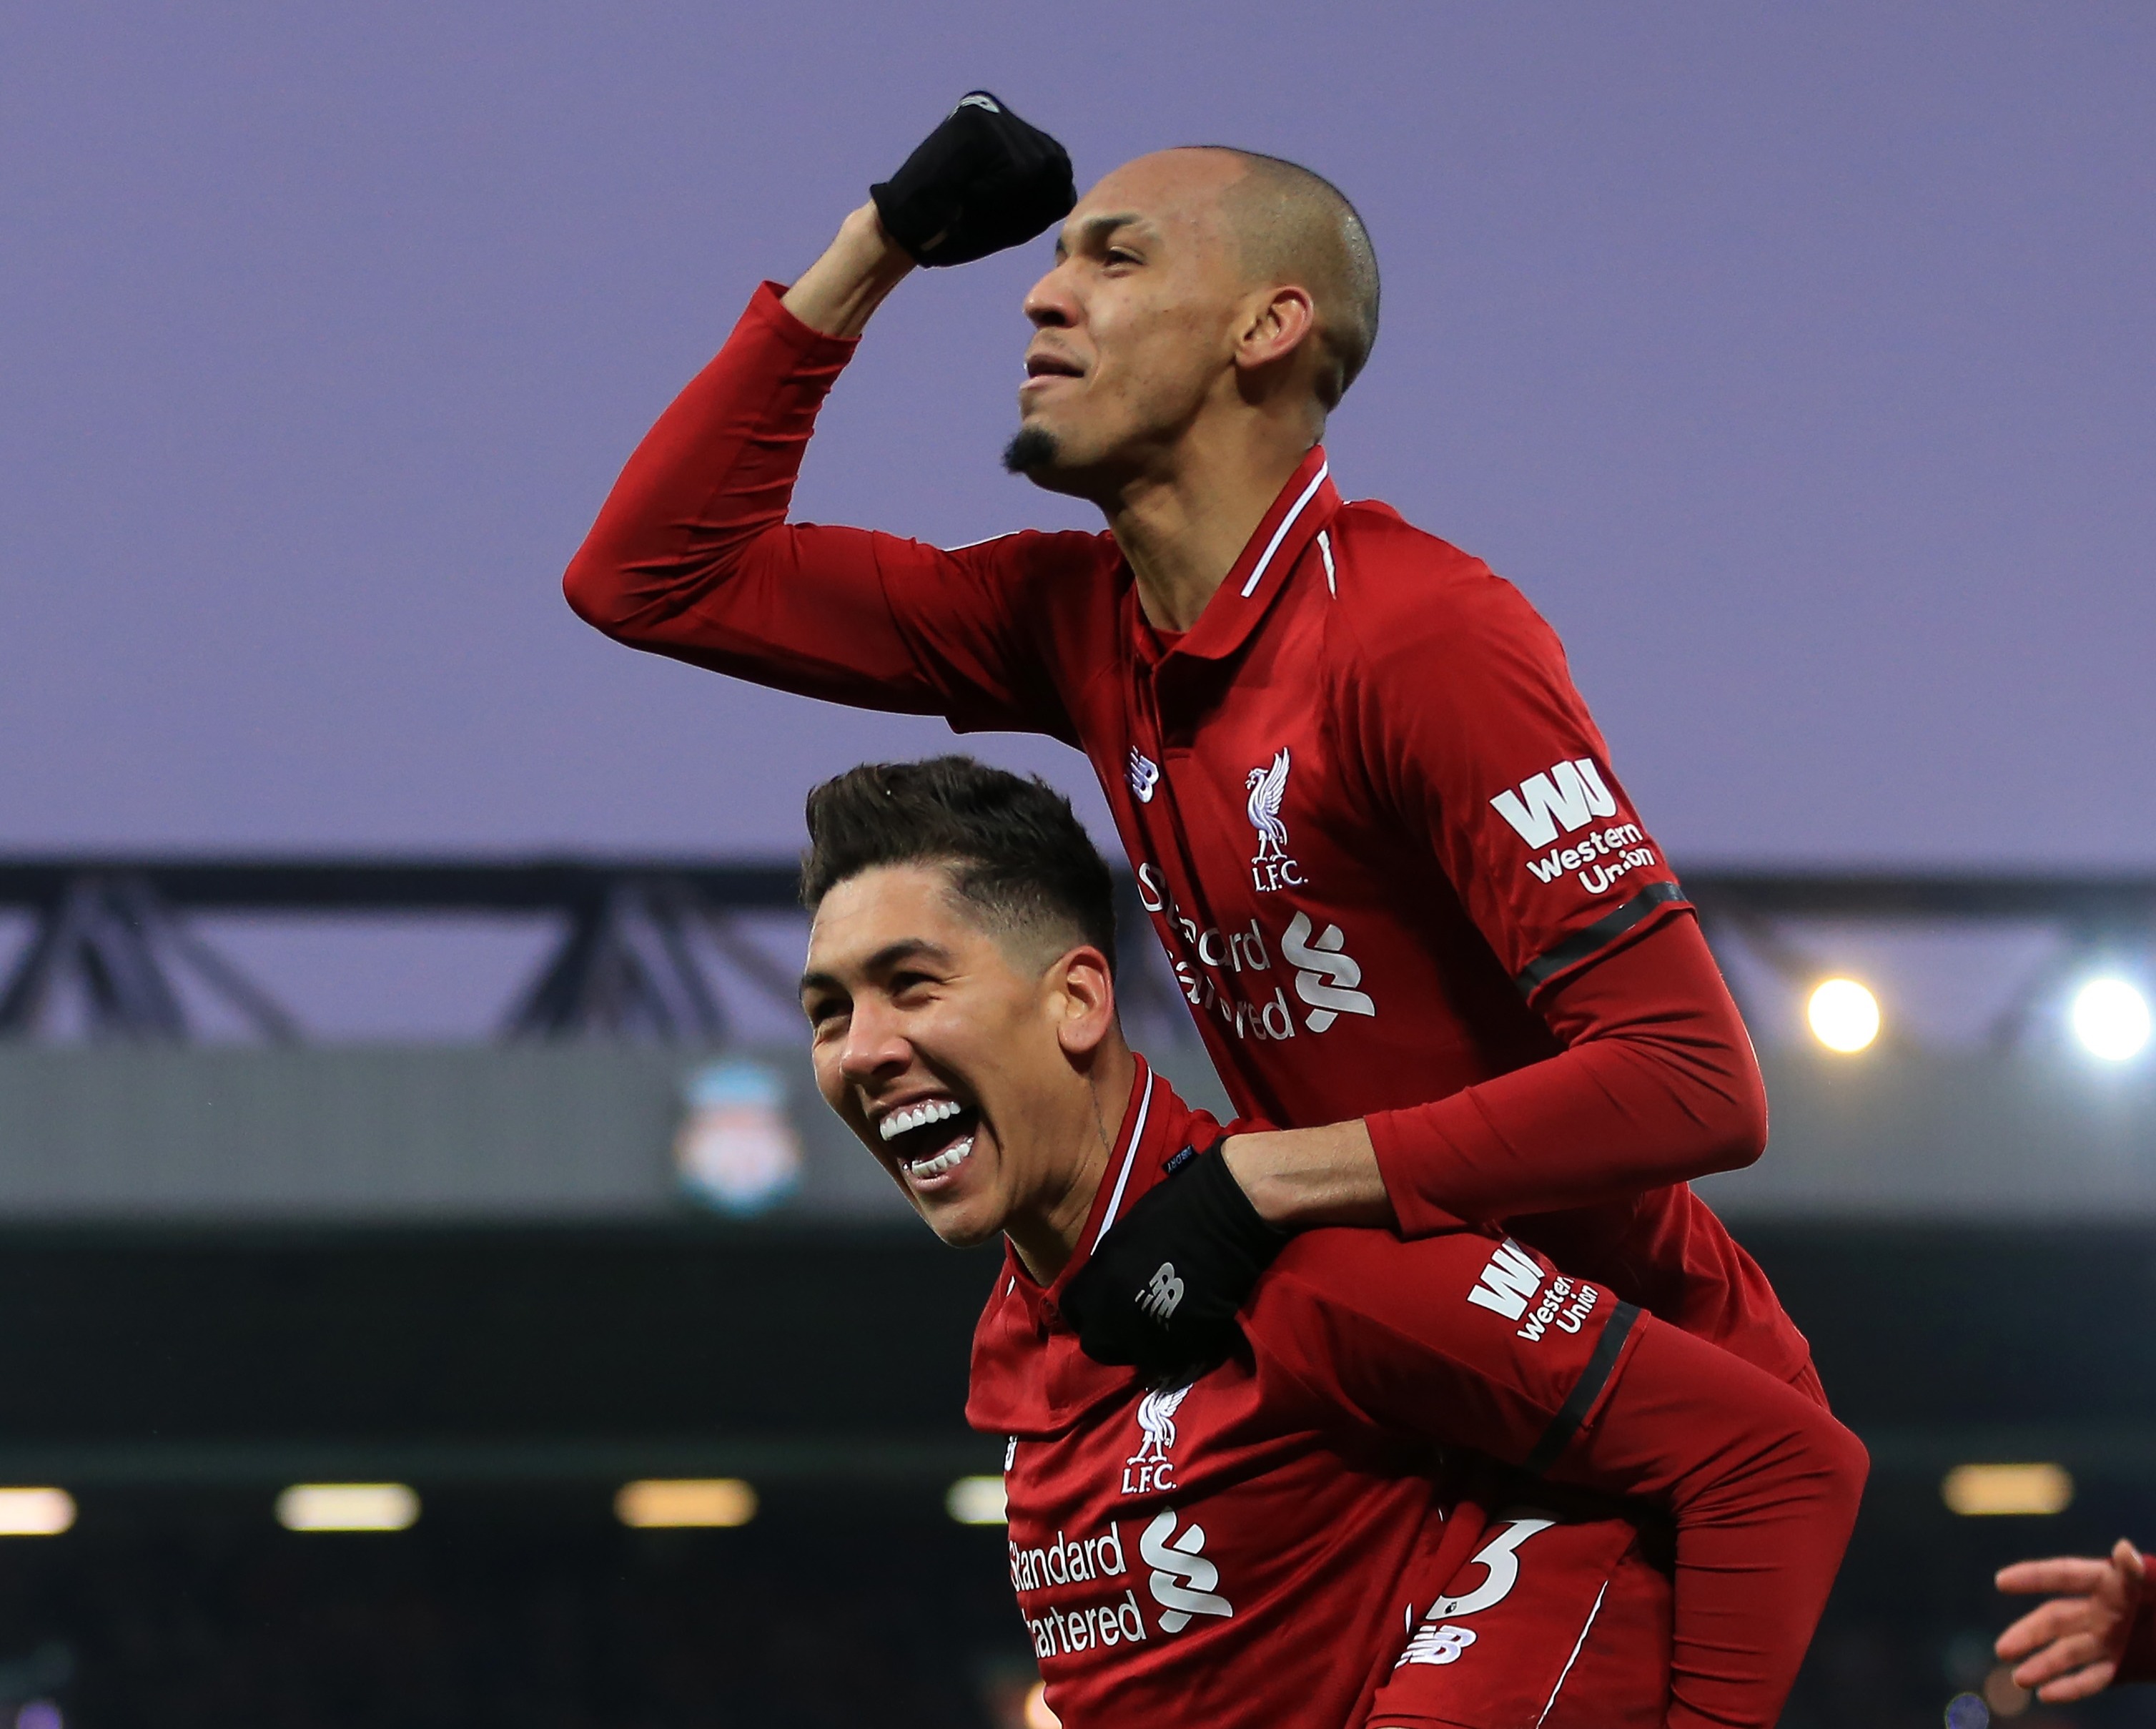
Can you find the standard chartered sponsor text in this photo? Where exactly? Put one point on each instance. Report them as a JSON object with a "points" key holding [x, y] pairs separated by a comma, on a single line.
{"points": [[1209, 971], [1180, 1583], [1059, 1631]]}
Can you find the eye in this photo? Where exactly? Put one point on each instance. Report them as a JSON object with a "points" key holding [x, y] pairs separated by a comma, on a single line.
{"points": [[824, 1012], [1121, 256], [908, 984]]}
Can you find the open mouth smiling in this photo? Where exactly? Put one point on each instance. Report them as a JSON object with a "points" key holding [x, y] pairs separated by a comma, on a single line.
{"points": [[929, 1137]]}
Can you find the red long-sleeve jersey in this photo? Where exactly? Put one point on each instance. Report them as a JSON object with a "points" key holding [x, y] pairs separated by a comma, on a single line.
{"points": [[1375, 826], [1246, 1550]]}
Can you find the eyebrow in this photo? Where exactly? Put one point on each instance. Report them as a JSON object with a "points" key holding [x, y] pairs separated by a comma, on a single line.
{"points": [[1099, 227], [882, 961]]}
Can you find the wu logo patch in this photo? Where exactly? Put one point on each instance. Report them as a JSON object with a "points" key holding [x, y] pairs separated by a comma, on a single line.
{"points": [[1144, 776], [1569, 794], [1509, 1283], [1270, 865], [1150, 1468], [1183, 1579]]}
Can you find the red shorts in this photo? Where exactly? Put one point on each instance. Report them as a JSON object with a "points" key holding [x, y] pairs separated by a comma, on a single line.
{"points": [[1547, 1623]]}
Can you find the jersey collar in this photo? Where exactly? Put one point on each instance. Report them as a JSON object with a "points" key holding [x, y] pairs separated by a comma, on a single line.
{"points": [[1128, 1174], [1305, 505]]}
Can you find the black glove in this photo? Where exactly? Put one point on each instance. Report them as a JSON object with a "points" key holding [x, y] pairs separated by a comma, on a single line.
{"points": [[1163, 1289], [982, 181]]}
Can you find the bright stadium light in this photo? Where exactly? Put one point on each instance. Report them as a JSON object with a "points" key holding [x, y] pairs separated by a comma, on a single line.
{"points": [[1843, 1016], [1990, 1491], [976, 1500], [686, 1502], [35, 1512], [2111, 1019], [347, 1506]]}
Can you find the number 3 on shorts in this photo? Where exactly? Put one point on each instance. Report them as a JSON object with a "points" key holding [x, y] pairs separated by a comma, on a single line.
{"points": [[1500, 1559]]}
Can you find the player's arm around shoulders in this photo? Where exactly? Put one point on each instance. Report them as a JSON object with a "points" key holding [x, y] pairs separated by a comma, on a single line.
{"points": [[1474, 1341]]}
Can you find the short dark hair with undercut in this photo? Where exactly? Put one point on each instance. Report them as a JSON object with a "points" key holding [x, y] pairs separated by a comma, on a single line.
{"points": [[1015, 850]]}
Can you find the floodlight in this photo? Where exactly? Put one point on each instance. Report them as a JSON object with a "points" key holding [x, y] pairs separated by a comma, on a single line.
{"points": [[35, 1512], [1984, 1491], [347, 1506], [682, 1503], [2111, 1019], [976, 1500], [1843, 1016]]}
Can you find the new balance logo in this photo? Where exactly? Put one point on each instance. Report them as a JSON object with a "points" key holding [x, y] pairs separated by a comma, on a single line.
{"points": [[1144, 775], [1570, 795], [1436, 1645], [1163, 1292], [1509, 1283]]}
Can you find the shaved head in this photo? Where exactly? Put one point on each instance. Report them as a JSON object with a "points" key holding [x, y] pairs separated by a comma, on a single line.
{"points": [[1292, 226]]}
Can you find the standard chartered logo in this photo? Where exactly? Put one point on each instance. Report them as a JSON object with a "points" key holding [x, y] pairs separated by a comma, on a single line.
{"points": [[1219, 970], [1182, 1584], [1183, 1578], [1328, 978]]}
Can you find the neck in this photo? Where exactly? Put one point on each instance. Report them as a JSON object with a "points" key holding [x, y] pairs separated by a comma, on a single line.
{"points": [[1182, 529], [1045, 1233]]}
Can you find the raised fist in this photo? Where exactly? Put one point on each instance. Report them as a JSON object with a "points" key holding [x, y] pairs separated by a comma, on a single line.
{"points": [[982, 181]]}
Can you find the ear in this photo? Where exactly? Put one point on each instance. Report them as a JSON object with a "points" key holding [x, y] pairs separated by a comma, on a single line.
{"points": [[1275, 326], [1083, 999]]}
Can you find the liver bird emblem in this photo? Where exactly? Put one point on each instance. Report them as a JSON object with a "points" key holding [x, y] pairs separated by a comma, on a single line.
{"points": [[1157, 1420], [1268, 787]]}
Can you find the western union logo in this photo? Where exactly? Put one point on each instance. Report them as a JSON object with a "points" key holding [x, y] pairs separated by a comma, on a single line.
{"points": [[1569, 797], [1509, 1283]]}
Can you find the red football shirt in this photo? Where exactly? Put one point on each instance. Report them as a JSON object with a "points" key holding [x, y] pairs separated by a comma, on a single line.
{"points": [[1246, 1550], [1375, 826]]}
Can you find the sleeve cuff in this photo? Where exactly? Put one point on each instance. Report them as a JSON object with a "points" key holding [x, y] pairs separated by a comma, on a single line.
{"points": [[1408, 1144], [2138, 1662]]}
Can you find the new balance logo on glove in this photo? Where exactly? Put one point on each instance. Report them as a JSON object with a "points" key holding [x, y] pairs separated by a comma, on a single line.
{"points": [[1163, 1291]]}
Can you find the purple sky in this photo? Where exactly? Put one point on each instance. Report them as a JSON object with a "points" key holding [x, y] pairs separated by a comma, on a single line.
{"points": [[1798, 362]]}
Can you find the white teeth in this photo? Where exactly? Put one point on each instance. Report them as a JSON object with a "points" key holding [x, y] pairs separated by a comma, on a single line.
{"points": [[949, 1159], [917, 1116]]}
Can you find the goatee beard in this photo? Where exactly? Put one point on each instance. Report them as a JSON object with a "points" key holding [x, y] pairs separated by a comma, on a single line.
{"points": [[1033, 447]]}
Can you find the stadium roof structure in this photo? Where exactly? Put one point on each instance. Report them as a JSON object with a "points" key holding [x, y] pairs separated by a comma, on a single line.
{"points": [[632, 960]]}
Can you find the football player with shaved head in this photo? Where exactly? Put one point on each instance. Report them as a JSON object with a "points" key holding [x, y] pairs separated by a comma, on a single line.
{"points": [[1410, 904]]}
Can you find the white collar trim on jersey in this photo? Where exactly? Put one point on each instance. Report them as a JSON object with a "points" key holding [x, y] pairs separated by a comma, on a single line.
{"points": [[1130, 1157], [1287, 522]]}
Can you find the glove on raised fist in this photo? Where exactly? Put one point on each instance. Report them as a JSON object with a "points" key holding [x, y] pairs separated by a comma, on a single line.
{"points": [[982, 181], [1163, 1289]]}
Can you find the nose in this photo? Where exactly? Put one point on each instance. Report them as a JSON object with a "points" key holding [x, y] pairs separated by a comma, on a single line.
{"points": [[874, 1045], [1049, 304]]}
